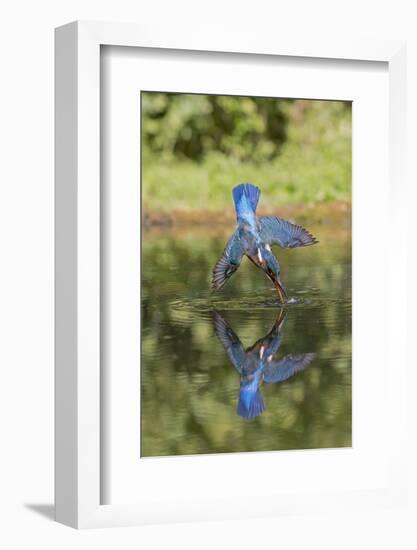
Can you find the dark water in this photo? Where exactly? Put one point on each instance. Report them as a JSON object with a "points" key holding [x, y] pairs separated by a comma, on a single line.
{"points": [[190, 386]]}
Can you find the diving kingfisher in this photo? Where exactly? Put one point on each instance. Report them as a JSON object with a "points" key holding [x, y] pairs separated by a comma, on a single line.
{"points": [[257, 364], [254, 237]]}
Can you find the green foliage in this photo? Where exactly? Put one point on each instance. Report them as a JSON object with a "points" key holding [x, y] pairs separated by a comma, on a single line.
{"points": [[195, 148], [188, 126]]}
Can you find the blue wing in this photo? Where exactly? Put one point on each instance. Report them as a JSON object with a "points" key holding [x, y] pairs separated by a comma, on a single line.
{"points": [[286, 234], [278, 371], [230, 341], [228, 263]]}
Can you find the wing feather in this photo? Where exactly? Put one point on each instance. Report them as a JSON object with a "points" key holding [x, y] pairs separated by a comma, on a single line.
{"points": [[278, 371], [275, 230], [228, 263], [230, 341]]}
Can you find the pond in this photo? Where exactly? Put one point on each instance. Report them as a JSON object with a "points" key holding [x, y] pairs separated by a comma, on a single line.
{"points": [[192, 340]]}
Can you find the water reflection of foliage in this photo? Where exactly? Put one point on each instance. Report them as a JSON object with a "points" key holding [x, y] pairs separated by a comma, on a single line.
{"points": [[189, 390]]}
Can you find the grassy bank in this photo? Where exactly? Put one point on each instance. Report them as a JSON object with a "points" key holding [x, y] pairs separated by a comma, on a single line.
{"points": [[335, 214]]}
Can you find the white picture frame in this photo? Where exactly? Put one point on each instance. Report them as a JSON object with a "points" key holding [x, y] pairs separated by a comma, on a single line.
{"points": [[78, 292]]}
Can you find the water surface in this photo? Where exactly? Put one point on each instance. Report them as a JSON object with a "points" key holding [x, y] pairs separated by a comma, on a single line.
{"points": [[189, 385]]}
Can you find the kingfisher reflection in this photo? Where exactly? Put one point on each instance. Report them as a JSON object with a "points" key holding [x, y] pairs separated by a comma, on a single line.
{"points": [[257, 363]]}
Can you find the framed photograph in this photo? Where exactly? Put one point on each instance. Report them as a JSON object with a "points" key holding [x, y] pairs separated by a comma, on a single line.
{"points": [[226, 324]]}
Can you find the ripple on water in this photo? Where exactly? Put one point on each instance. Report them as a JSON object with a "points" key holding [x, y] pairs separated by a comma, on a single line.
{"points": [[207, 302]]}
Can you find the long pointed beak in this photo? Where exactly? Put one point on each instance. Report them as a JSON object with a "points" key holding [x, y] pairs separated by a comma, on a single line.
{"points": [[282, 294], [280, 319]]}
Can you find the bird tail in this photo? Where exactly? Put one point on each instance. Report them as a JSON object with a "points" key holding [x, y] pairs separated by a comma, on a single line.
{"points": [[251, 404], [250, 192]]}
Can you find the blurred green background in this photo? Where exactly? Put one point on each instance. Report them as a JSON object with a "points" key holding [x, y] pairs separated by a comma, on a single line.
{"points": [[196, 147]]}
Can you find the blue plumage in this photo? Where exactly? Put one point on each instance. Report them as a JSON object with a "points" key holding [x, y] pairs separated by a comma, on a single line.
{"points": [[254, 237], [257, 365], [246, 197], [251, 403]]}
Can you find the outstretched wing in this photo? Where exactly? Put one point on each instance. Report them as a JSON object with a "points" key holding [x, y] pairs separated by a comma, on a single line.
{"points": [[286, 234], [278, 371], [228, 263], [230, 341]]}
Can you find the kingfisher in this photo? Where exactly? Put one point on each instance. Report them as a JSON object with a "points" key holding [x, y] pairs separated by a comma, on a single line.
{"points": [[254, 237], [257, 364]]}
